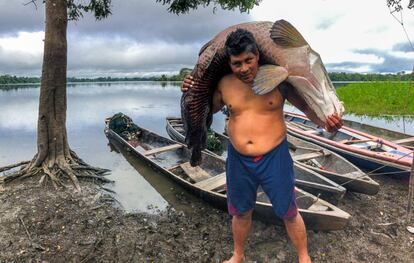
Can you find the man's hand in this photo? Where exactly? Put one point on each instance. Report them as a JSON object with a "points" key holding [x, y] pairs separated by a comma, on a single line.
{"points": [[188, 83], [333, 123]]}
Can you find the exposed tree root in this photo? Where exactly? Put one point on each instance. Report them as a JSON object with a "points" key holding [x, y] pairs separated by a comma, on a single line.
{"points": [[71, 168], [5, 168]]}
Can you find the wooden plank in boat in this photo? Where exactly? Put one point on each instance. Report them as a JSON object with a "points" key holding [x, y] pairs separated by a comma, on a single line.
{"points": [[355, 175], [212, 183], [140, 149], [307, 156], [355, 141], [305, 126], [300, 126], [318, 208], [197, 173], [406, 140], [317, 132], [163, 149]]}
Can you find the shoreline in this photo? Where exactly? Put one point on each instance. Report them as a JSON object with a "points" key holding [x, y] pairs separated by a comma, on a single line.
{"points": [[63, 226]]}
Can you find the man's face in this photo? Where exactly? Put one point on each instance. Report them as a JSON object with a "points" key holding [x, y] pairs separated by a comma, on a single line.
{"points": [[245, 66]]}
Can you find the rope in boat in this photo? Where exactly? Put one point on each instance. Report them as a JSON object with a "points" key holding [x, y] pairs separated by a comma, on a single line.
{"points": [[367, 174], [301, 125]]}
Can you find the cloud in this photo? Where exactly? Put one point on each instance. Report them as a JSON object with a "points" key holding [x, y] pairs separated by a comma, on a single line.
{"points": [[21, 54], [16, 17], [404, 47], [139, 37], [390, 62], [148, 21], [326, 23], [143, 21], [124, 56]]}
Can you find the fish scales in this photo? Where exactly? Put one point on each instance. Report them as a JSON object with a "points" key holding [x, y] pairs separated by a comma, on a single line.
{"points": [[212, 65]]}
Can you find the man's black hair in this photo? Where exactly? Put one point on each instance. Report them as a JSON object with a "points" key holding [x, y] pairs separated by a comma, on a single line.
{"points": [[240, 41]]}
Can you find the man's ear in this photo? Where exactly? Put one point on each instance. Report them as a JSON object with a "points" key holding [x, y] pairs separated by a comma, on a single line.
{"points": [[258, 56]]}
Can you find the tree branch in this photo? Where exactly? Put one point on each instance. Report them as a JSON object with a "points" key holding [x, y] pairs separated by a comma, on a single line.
{"points": [[31, 2]]}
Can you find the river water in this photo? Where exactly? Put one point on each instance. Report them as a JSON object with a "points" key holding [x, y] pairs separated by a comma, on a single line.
{"points": [[138, 187]]}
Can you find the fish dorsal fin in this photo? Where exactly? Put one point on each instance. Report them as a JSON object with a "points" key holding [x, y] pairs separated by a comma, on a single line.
{"points": [[286, 35], [268, 77]]}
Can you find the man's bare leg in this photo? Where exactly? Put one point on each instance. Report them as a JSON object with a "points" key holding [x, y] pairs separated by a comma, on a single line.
{"points": [[297, 233], [241, 225]]}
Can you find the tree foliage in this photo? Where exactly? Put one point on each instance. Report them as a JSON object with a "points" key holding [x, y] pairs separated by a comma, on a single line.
{"points": [[100, 8], [184, 6]]}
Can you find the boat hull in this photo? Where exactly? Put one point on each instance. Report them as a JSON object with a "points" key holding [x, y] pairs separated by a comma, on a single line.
{"points": [[363, 159], [334, 219], [306, 178]]}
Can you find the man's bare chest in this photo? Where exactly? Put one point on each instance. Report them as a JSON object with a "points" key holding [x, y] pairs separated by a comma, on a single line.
{"points": [[239, 100]]}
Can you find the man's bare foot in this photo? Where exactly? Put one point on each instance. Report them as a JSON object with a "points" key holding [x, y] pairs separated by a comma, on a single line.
{"points": [[235, 259], [305, 259]]}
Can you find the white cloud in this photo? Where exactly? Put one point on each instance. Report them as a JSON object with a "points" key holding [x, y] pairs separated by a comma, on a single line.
{"points": [[24, 42], [142, 38], [336, 28]]}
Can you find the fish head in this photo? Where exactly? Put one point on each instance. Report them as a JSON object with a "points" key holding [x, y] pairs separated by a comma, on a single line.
{"points": [[304, 69], [307, 74]]}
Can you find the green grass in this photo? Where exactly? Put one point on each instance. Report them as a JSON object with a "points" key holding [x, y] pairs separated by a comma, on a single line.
{"points": [[378, 98]]}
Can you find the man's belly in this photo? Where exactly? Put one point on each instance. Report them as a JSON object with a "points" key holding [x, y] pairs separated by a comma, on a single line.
{"points": [[256, 134]]}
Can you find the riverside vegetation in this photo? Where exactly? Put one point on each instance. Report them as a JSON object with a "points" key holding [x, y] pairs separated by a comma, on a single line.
{"points": [[334, 76], [378, 98]]}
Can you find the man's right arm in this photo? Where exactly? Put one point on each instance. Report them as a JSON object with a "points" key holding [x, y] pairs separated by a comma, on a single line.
{"points": [[218, 103]]}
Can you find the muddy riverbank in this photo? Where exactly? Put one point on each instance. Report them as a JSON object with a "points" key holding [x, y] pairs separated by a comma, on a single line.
{"points": [[38, 224]]}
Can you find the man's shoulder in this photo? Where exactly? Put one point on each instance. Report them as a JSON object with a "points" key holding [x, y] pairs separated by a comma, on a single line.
{"points": [[228, 77], [227, 80]]}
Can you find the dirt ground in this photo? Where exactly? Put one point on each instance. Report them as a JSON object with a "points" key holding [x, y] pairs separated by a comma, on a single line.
{"points": [[40, 224]]}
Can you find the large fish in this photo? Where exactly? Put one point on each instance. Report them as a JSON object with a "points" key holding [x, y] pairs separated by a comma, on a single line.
{"points": [[281, 45]]}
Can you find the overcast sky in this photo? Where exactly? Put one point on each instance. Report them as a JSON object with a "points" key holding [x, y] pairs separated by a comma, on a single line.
{"points": [[142, 38]]}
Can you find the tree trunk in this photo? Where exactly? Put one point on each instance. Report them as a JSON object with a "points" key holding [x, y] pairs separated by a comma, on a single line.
{"points": [[54, 159], [52, 142]]}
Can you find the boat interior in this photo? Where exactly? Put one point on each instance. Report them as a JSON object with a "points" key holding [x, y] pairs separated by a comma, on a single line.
{"points": [[342, 136], [210, 175], [313, 155]]}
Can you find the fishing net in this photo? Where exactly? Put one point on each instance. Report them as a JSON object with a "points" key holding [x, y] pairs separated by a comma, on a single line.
{"points": [[124, 126]]}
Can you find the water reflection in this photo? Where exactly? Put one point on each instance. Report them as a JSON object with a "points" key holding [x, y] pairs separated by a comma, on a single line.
{"points": [[147, 103]]}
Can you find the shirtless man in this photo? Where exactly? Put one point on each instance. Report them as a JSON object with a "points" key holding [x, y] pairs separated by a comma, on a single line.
{"points": [[258, 153]]}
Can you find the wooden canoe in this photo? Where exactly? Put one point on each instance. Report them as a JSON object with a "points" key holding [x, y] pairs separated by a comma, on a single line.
{"points": [[369, 152], [403, 139], [306, 178], [208, 180], [308, 156]]}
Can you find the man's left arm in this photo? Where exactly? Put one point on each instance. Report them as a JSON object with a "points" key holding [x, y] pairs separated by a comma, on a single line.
{"points": [[333, 122]]}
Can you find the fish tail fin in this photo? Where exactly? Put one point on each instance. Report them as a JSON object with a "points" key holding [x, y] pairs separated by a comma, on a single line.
{"points": [[286, 35]]}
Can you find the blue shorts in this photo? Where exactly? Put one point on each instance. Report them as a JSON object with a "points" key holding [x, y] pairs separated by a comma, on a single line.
{"points": [[273, 171]]}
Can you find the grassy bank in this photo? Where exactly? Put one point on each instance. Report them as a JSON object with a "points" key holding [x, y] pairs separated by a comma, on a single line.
{"points": [[378, 98]]}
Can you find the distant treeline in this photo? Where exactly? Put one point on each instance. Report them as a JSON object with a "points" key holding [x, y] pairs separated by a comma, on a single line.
{"points": [[341, 76], [8, 79], [335, 76]]}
